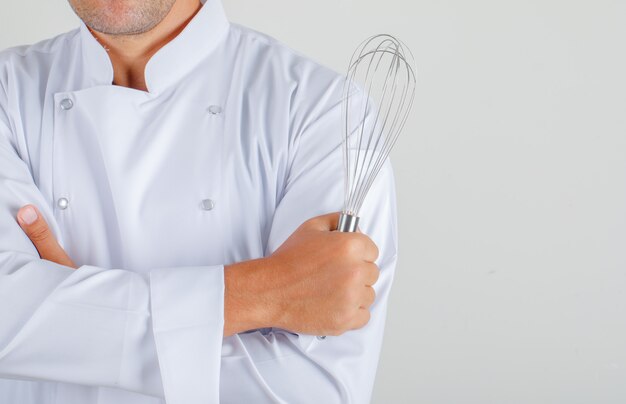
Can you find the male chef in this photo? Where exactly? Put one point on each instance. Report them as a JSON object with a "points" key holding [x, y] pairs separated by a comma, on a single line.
{"points": [[169, 189]]}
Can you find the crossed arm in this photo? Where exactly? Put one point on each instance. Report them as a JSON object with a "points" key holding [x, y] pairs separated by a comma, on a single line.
{"points": [[325, 278], [313, 312]]}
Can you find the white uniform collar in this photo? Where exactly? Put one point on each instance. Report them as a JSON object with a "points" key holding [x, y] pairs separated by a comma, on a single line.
{"points": [[173, 61]]}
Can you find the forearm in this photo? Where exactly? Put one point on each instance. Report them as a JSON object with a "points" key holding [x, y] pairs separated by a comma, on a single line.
{"points": [[281, 366], [246, 305], [90, 326]]}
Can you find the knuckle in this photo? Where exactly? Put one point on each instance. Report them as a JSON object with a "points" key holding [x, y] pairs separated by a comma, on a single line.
{"points": [[349, 298], [338, 324], [347, 276], [344, 316], [350, 245], [352, 274], [342, 302], [39, 234]]}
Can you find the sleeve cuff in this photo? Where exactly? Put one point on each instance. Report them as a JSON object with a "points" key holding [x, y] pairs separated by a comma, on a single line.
{"points": [[188, 324]]}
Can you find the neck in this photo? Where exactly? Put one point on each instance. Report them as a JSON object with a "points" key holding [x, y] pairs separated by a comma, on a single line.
{"points": [[130, 53]]}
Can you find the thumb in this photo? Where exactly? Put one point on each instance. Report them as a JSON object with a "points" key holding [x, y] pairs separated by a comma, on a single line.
{"points": [[327, 222], [38, 231]]}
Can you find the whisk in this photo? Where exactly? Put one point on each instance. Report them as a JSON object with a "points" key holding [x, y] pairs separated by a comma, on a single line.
{"points": [[377, 98]]}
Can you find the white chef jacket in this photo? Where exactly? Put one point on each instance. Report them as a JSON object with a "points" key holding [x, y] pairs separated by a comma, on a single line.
{"points": [[236, 142]]}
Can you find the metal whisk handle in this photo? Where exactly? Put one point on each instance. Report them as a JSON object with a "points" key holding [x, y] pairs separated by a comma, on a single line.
{"points": [[348, 223]]}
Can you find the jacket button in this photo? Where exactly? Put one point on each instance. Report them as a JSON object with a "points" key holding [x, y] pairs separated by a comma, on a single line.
{"points": [[215, 110], [63, 203], [66, 104], [208, 204]]}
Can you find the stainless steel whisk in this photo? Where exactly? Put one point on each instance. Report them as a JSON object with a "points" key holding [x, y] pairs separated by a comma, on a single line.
{"points": [[377, 98]]}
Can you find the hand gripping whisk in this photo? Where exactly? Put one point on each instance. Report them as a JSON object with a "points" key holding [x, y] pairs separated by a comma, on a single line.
{"points": [[383, 68]]}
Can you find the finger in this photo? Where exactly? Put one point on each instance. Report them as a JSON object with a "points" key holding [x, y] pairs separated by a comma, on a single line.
{"points": [[361, 319], [327, 222], [369, 296], [371, 273], [36, 228], [369, 248]]}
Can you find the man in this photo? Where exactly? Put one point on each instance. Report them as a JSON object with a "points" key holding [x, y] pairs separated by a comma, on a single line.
{"points": [[159, 169]]}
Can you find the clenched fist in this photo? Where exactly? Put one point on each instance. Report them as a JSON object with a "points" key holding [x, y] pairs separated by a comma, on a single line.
{"points": [[318, 282]]}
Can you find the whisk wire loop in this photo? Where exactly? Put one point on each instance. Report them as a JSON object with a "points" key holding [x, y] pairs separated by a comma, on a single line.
{"points": [[378, 95]]}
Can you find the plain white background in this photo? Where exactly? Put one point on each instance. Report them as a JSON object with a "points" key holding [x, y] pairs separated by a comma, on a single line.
{"points": [[511, 175]]}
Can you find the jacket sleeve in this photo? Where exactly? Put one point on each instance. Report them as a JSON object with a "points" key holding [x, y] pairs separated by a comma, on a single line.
{"points": [[281, 366], [98, 326]]}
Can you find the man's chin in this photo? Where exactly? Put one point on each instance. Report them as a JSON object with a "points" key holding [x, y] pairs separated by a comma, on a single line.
{"points": [[116, 30]]}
